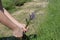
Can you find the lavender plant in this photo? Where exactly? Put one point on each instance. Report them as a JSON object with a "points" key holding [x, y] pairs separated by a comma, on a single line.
{"points": [[31, 17]]}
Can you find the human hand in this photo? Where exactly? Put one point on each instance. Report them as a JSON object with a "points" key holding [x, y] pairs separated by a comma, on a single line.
{"points": [[20, 30]]}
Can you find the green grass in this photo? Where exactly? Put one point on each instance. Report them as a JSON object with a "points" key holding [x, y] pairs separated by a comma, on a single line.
{"points": [[50, 29], [10, 5]]}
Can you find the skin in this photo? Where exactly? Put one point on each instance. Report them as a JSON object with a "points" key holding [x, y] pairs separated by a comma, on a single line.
{"points": [[10, 22]]}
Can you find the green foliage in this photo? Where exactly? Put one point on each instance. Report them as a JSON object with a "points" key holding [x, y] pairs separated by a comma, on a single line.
{"points": [[20, 2], [8, 4]]}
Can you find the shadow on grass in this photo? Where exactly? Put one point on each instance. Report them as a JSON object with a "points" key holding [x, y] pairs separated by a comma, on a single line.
{"points": [[25, 37]]}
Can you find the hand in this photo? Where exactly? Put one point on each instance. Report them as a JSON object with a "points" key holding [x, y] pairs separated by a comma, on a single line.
{"points": [[23, 27], [19, 32]]}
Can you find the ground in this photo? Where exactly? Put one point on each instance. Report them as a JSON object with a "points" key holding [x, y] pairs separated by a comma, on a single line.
{"points": [[25, 10], [46, 23]]}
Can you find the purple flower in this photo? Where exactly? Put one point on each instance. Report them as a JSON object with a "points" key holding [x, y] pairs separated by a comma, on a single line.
{"points": [[32, 16]]}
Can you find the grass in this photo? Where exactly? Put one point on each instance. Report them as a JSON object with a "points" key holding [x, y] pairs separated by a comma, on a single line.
{"points": [[50, 29], [46, 26], [10, 5]]}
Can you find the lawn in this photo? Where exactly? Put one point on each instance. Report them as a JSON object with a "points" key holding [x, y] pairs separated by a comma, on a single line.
{"points": [[50, 29], [46, 26]]}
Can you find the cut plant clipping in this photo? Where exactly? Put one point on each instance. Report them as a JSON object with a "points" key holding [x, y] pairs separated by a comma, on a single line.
{"points": [[31, 17]]}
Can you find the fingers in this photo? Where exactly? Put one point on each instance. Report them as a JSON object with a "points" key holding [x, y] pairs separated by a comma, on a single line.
{"points": [[25, 29]]}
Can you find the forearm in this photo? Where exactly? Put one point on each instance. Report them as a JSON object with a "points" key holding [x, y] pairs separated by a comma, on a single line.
{"points": [[6, 13], [8, 20]]}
